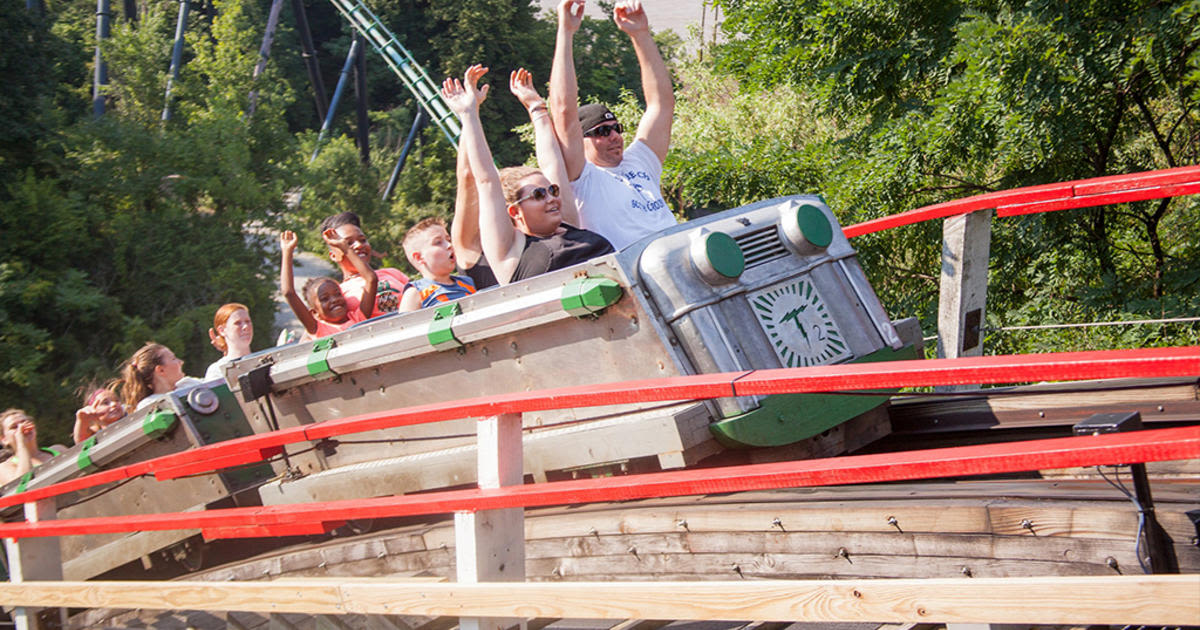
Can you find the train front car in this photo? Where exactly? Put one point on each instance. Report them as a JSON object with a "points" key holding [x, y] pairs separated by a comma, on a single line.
{"points": [[769, 285], [774, 284]]}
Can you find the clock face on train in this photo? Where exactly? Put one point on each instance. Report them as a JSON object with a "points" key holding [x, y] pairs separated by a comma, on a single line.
{"points": [[798, 324]]}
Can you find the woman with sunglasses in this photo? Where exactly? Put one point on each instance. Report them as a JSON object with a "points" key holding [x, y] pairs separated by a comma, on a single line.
{"points": [[525, 214]]}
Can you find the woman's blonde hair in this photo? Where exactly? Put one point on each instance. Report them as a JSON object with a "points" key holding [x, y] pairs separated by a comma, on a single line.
{"points": [[510, 180], [137, 375], [223, 314]]}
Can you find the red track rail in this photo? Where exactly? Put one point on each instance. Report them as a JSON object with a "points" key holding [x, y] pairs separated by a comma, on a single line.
{"points": [[1065, 366], [307, 518], [1050, 197]]}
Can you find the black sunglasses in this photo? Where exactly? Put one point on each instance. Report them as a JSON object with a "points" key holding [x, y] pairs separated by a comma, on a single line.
{"points": [[604, 131], [539, 194]]}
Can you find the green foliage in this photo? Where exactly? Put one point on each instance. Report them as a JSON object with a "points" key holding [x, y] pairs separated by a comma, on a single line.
{"points": [[935, 101], [730, 148], [125, 230]]}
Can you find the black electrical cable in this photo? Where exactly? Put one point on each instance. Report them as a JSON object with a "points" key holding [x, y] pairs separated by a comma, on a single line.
{"points": [[1141, 528]]}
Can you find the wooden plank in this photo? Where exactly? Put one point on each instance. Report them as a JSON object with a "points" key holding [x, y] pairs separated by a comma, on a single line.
{"points": [[1044, 405], [1142, 599]]}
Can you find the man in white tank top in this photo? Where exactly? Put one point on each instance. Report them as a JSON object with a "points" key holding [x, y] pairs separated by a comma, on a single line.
{"points": [[618, 190]]}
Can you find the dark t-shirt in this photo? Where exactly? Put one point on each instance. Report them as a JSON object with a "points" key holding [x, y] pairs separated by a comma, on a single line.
{"points": [[481, 273], [559, 251]]}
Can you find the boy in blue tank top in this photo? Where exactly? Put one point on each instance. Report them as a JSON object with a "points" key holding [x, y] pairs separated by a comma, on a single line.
{"points": [[428, 247]]}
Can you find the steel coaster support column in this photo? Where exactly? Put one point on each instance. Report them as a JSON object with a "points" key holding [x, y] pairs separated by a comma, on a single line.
{"points": [[100, 71], [35, 559], [966, 241], [264, 52], [402, 64], [309, 53], [418, 122], [337, 97], [360, 97], [490, 544], [176, 56]]}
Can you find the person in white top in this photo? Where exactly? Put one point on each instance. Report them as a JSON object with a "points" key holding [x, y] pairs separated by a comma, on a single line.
{"points": [[150, 374], [231, 333], [618, 190]]}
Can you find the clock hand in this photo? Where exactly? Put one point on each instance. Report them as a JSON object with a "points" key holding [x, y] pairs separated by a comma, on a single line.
{"points": [[794, 316]]}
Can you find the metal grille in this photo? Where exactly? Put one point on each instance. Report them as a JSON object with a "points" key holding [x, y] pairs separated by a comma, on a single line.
{"points": [[761, 245]]}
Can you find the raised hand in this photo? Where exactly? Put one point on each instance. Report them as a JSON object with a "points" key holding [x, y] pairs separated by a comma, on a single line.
{"points": [[520, 83], [335, 240], [464, 96], [570, 15], [631, 17], [287, 241]]}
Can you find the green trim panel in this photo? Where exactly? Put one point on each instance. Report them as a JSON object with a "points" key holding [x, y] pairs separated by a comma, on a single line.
{"points": [[84, 459], [441, 328], [788, 418], [158, 422], [589, 295], [318, 359], [25, 479]]}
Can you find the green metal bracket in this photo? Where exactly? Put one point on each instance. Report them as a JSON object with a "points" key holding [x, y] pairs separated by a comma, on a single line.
{"points": [[158, 422], [84, 460], [441, 333], [25, 479], [318, 360], [589, 295], [784, 419]]}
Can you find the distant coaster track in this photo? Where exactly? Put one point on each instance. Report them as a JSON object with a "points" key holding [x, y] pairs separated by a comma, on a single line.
{"points": [[401, 61]]}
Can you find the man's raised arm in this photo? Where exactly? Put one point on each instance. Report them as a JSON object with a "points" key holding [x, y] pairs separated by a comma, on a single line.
{"points": [[564, 89], [655, 127]]}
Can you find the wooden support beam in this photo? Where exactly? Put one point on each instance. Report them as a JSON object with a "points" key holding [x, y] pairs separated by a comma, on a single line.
{"points": [[490, 544], [1153, 600], [35, 559], [966, 241]]}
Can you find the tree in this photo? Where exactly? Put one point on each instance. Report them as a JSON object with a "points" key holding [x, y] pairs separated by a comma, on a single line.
{"points": [[940, 100]]}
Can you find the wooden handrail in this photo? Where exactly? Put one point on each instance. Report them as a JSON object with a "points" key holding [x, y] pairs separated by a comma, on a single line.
{"points": [[1095, 450], [1156, 600], [1064, 366], [1082, 193]]}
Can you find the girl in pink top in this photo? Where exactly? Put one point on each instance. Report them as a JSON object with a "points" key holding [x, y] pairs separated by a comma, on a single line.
{"points": [[327, 311]]}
